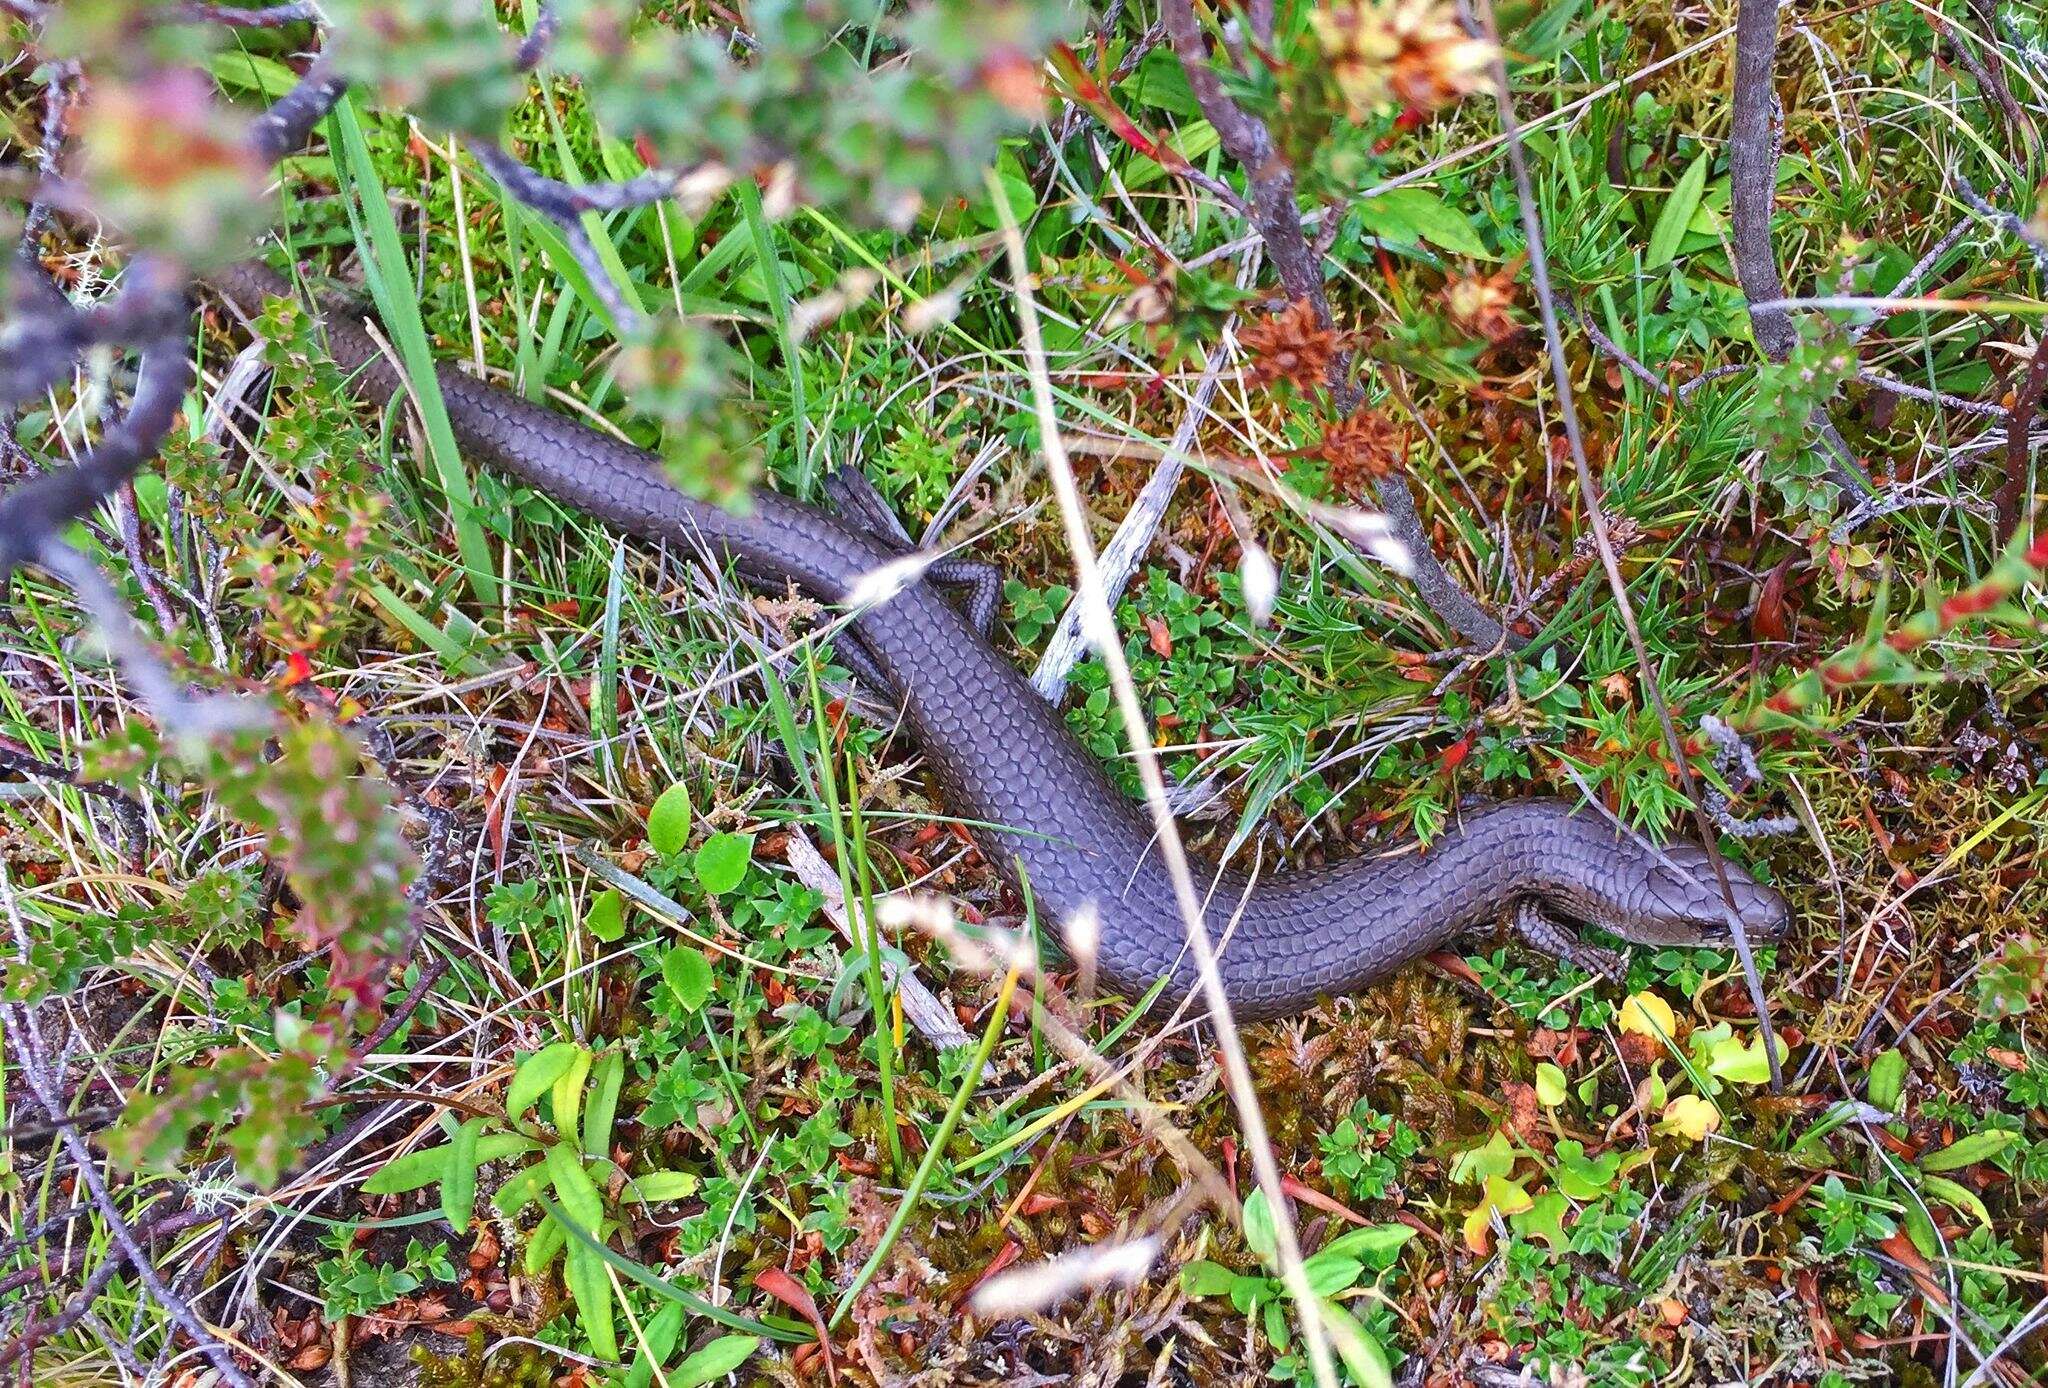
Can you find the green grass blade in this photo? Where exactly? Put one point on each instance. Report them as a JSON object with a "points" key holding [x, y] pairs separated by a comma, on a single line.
{"points": [[390, 281], [775, 1329], [778, 305]]}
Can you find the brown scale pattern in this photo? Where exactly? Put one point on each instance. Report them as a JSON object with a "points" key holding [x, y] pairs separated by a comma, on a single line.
{"points": [[1004, 757]]}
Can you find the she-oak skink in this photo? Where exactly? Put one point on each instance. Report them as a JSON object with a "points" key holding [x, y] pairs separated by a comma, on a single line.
{"points": [[1004, 757]]}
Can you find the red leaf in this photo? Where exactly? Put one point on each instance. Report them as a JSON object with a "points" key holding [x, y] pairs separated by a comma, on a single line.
{"points": [[1010, 1252], [1455, 754], [1455, 967], [1307, 1195], [797, 1297], [1772, 619], [1160, 638]]}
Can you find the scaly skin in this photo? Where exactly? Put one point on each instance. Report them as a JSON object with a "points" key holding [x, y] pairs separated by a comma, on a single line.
{"points": [[1004, 757]]}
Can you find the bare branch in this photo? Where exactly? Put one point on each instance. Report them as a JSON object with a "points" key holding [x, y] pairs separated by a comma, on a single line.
{"points": [[1753, 179], [24, 1036], [2006, 221], [291, 118], [1246, 139], [2011, 492], [1753, 174], [34, 511], [1614, 349], [57, 102], [540, 38], [47, 332], [270, 17], [564, 204], [16, 759], [1296, 262]]}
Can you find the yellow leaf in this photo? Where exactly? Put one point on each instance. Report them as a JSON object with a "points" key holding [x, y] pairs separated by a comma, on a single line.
{"points": [[1690, 1117], [1501, 1194], [1646, 1014]]}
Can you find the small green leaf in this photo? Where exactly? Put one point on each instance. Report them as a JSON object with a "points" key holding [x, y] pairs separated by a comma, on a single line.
{"points": [[668, 823], [1968, 1151], [1887, 1084], [1260, 1234], [1204, 1278], [1676, 214], [544, 1245], [722, 860], [537, 1073], [1416, 214], [659, 1335], [1496, 1157], [657, 1186], [1920, 1229], [606, 918], [1328, 1272], [1582, 1177], [458, 1187], [409, 1172], [566, 1099], [417, 1169], [1543, 1220], [521, 1190], [714, 1361], [1958, 1195], [592, 1288], [1550, 1085], [573, 1187], [1376, 1243], [1741, 1062], [688, 975], [1363, 1355], [607, 1074]]}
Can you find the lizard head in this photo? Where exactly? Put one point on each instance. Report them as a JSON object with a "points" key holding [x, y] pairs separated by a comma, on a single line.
{"points": [[1670, 896]]}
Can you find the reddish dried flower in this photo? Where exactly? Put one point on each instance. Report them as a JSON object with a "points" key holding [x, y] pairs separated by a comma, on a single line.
{"points": [[1410, 53], [1291, 346], [1481, 304], [1360, 449]]}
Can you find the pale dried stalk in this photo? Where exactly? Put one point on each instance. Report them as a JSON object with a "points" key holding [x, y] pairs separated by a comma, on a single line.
{"points": [[1098, 621], [920, 1004]]}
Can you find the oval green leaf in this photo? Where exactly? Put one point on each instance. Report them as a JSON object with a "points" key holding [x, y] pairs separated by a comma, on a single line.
{"points": [[607, 1074], [544, 1245], [657, 1186], [580, 1200], [592, 1288], [1887, 1080], [537, 1074], [714, 1361], [606, 918], [668, 823], [409, 1172], [688, 975], [1968, 1151], [458, 1186], [1676, 214], [722, 861], [567, 1097]]}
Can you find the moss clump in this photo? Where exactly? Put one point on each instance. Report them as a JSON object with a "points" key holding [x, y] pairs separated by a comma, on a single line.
{"points": [[516, 1366]]}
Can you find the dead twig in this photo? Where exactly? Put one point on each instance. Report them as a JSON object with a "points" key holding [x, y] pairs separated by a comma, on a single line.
{"points": [[1753, 152], [24, 1038], [1279, 223], [2007, 501]]}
